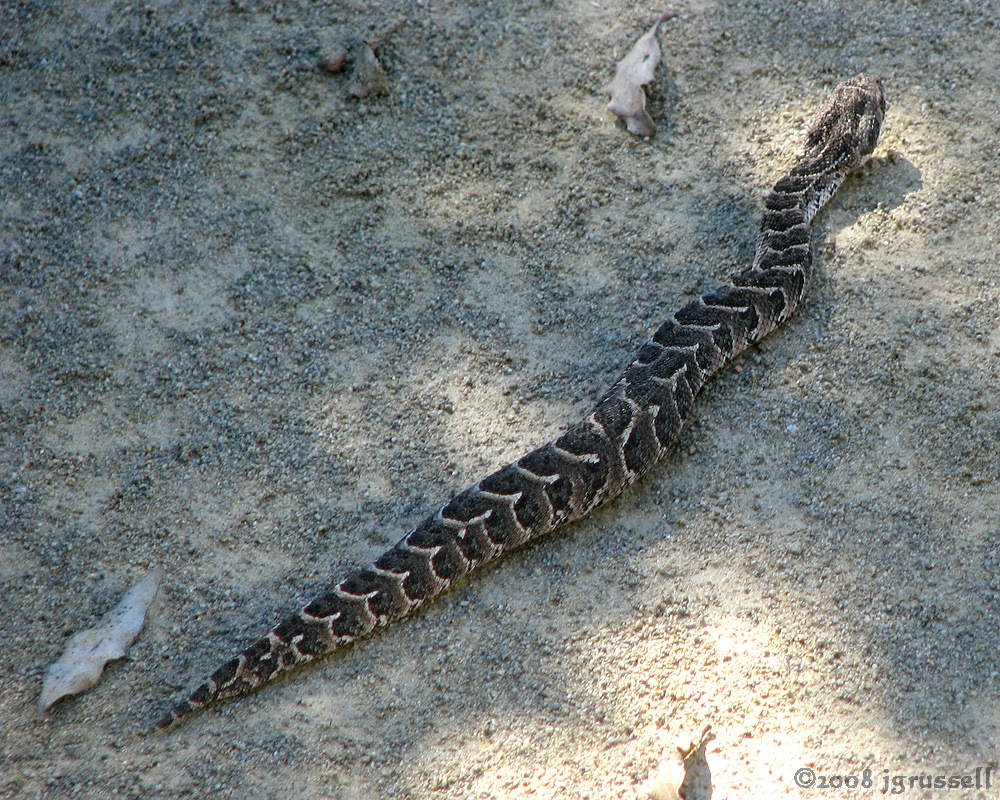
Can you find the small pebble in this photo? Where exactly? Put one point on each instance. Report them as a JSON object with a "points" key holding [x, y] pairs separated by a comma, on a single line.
{"points": [[333, 57]]}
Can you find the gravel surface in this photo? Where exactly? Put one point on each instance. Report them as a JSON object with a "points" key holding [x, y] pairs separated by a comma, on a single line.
{"points": [[252, 328]]}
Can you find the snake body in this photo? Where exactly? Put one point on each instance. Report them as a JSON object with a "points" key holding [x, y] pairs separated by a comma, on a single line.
{"points": [[630, 428]]}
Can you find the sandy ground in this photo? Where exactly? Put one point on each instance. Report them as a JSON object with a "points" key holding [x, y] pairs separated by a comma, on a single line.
{"points": [[251, 329]]}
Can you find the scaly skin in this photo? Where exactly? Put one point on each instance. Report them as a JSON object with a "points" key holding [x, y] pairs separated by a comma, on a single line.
{"points": [[629, 430]]}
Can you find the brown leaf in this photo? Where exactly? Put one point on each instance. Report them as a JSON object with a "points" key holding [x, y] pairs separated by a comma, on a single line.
{"points": [[628, 100]]}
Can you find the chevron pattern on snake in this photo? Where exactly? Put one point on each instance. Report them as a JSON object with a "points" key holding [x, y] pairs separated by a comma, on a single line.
{"points": [[632, 426]]}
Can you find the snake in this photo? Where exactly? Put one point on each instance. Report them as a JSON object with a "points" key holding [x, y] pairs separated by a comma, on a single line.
{"points": [[633, 425]]}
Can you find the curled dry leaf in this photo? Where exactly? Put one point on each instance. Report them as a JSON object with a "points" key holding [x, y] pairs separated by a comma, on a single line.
{"points": [[628, 100], [683, 774], [369, 78], [665, 783], [82, 662]]}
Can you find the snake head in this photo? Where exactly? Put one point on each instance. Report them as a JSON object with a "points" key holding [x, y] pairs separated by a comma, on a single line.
{"points": [[846, 131]]}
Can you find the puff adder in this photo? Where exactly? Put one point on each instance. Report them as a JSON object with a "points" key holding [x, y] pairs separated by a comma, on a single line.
{"points": [[628, 431]]}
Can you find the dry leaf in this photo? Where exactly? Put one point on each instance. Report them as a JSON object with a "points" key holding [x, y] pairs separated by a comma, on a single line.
{"points": [[665, 783], [682, 775], [82, 662], [369, 78], [628, 100]]}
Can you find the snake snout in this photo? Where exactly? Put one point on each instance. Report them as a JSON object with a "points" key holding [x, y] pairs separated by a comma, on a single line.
{"points": [[847, 130], [868, 112]]}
